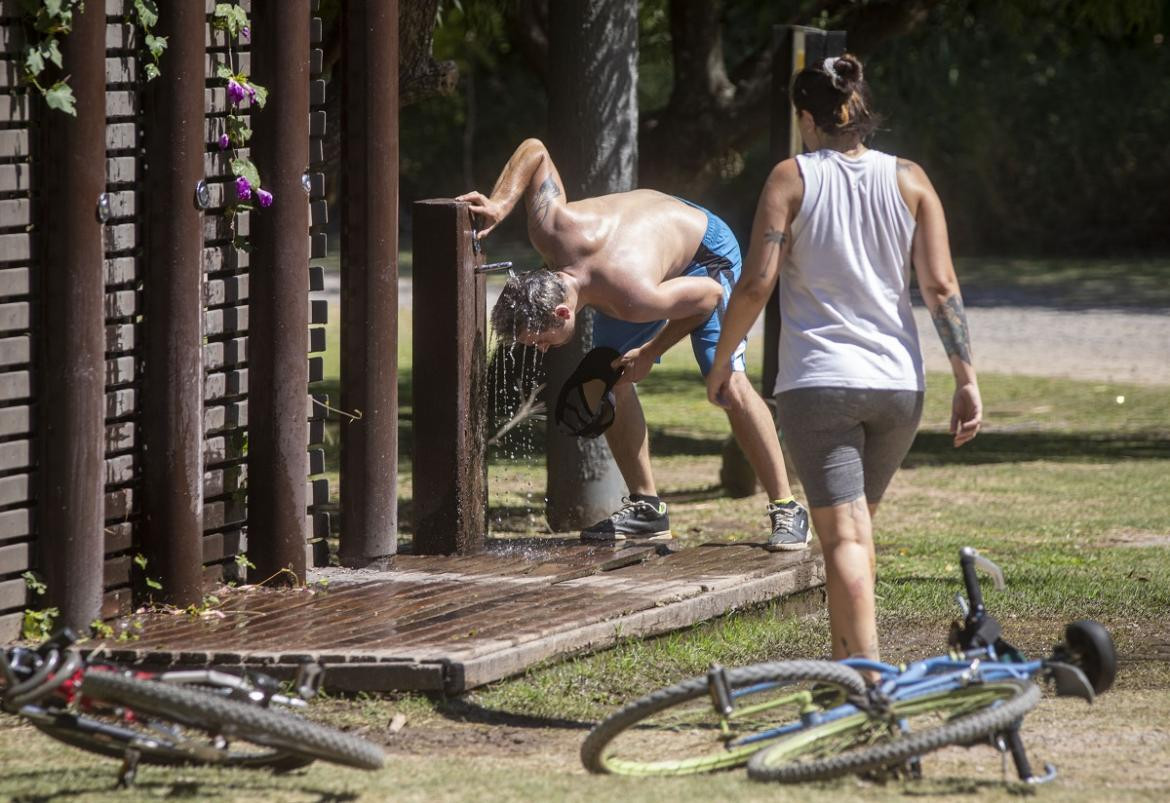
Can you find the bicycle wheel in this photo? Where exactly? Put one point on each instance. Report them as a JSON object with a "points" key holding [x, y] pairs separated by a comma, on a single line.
{"points": [[678, 731], [874, 740], [230, 719], [157, 742]]}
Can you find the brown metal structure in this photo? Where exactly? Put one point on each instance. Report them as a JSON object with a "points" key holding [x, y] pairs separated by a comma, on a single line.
{"points": [[450, 405], [795, 46], [369, 282], [172, 393], [73, 342], [279, 288]]}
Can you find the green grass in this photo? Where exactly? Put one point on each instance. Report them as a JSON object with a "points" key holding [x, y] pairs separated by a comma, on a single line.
{"points": [[1065, 487]]}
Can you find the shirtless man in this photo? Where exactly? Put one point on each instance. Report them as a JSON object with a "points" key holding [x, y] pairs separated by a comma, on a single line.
{"points": [[655, 269]]}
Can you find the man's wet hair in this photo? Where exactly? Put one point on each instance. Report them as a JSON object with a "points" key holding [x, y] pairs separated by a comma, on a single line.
{"points": [[528, 303]]}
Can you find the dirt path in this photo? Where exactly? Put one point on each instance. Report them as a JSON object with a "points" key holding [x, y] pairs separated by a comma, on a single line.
{"points": [[1110, 346]]}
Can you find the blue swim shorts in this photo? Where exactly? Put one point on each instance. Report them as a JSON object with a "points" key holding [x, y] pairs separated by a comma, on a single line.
{"points": [[718, 258]]}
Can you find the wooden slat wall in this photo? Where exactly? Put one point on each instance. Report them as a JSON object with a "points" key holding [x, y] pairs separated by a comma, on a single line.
{"points": [[18, 312], [225, 321], [124, 276], [318, 500], [225, 355]]}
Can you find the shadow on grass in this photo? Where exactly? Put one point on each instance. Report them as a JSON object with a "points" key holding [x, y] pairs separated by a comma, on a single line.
{"points": [[937, 449], [460, 709]]}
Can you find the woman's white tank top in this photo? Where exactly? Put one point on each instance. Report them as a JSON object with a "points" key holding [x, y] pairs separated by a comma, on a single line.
{"points": [[845, 318]]}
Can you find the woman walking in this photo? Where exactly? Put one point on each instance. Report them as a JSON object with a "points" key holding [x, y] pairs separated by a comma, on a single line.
{"points": [[841, 226]]}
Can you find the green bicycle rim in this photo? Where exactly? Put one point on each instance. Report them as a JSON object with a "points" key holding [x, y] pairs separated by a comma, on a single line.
{"points": [[680, 720], [848, 744]]}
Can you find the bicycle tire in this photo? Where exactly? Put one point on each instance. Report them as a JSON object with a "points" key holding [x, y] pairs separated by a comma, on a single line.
{"points": [[113, 740], [599, 754], [882, 747], [277, 729]]}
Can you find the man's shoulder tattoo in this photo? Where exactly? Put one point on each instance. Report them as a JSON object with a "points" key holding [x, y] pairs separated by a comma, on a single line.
{"points": [[542, 200]]}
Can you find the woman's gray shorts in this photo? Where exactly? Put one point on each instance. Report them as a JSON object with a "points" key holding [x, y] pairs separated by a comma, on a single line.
{"points": [[847, 442]]}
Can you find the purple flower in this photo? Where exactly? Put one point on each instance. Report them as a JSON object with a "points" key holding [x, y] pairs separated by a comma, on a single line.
{"points": [[224, 142], [243, 188], [246, 32], [236, 91], [265, 197], [251, 90]]}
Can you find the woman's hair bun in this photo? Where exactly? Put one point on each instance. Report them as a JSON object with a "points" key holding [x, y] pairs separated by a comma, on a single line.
{"points": [[848, 69]]}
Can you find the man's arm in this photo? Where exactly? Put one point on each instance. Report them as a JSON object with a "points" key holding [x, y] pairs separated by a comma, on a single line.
{"points": [[931, 255], [529, 173], [683, 297]]}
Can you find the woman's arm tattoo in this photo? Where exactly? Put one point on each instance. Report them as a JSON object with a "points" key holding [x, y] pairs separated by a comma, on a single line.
{"points": [[543, 199], [950, 321], [774, 238]]}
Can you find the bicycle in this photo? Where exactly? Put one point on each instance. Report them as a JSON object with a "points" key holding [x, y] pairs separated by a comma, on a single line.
{"points": [[171, 718], [804, 720]]}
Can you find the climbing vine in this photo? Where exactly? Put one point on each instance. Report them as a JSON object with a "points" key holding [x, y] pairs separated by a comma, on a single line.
{"points": [[232, 19], [47, 22]]}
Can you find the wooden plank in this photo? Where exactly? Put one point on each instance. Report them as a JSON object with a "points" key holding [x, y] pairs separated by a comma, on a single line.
{"points": [[121, 136], [121, 469], [15, 247], [316, 369], [317, 341], [16, 350], [121, 70], [120, 436], [219, 546], [120, 504], [14, 281], [124, 269], [14, 177], [15, 212], [16, 523], [316, 93], [230, 290], [224, 481], [224, 258], [119, 403], [123, 204], [15, 455], [119, 537], [122, 170], [15, 385], [15, 558], [225, 353], [121, 371], [228, 320], [17, 420], [225, 383], [10, 627], [216, 227], [14, 316], [14, 144], [319, 215], [14, 594], [15, 109], [225, 416], [15, 489], [121, 337], [122, 304]]}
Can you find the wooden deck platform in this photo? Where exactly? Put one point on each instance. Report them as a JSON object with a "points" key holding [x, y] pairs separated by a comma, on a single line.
{"points": [[453, 623]]}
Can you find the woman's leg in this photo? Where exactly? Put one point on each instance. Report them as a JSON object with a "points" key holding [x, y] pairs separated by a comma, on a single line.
{"points": [[846, 535]]}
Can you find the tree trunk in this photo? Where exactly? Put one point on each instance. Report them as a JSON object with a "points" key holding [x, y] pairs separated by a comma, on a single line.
{"points": [[593, 137]]}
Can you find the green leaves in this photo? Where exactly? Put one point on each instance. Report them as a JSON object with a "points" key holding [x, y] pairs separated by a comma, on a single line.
{"points": [[242, 166], [60, 96], [229, 17], [145, 12]]}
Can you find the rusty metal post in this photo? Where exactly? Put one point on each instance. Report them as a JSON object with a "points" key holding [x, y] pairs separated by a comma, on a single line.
{"points": [[72, 355], [172, 419], [794, 47], [278, 293], [369, 281], [450, 381]]}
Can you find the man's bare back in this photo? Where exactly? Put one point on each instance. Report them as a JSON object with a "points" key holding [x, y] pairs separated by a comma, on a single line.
{"points": [[622, 243]]}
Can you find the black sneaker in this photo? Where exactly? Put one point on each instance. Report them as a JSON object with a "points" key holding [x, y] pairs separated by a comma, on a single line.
{"points": [[635, 519], [789, 527]]}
